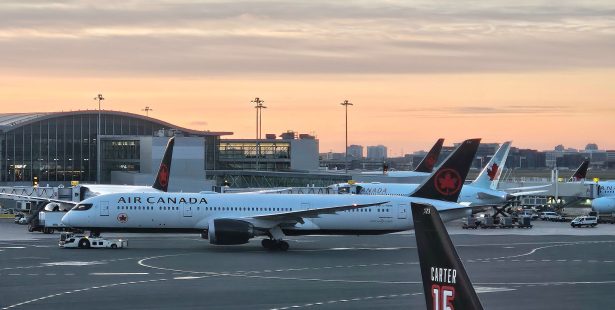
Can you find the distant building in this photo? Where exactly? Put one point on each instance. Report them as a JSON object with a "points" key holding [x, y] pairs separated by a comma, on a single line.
{"points": [[378, 152], [591, 147], [291, 153], [525, 159], [355, 151]]}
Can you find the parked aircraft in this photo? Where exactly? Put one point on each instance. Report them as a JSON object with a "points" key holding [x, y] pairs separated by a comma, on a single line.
{"points": [[446, 284], [605, 203], [481, 192], [228, 219]]}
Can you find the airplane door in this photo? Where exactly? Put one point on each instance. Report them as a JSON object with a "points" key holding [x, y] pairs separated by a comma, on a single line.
{"points": [[104, 208], [187, 211], [306, 206], [402, 211]]}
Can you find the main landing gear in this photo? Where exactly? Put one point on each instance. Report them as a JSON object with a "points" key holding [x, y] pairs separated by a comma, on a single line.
{"points": [[275, 241], [271, 244]]}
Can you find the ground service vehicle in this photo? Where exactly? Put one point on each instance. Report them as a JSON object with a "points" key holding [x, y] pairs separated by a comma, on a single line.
{"points": [[550, 216], [48, 222], [585, 220], [70, 240]]}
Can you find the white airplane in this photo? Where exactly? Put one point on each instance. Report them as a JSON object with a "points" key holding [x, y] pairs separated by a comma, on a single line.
{"points": [[423, 169], [605, 203], [228, 219], [481, 192]]}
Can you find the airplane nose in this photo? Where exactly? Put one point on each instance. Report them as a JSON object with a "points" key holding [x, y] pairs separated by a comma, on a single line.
{"points": [[67, 219]]}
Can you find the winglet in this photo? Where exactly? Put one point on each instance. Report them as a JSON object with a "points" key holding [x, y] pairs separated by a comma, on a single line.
{"points": [[581, 172], [161, 182], [446, 182], [446, 284], [429, 161], [489, 177]]}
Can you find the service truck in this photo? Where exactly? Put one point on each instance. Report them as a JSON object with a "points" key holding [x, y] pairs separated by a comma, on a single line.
{"points": [[48, 222]]}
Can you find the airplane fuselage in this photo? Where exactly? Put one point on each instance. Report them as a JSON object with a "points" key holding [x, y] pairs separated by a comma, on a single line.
{"points": [[605, 203], [193, 212]]}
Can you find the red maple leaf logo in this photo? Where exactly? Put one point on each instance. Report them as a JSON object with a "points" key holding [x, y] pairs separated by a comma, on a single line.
{"points": [[122, 218], [163, 177], [430, 161], [448, 182], [493, 171]]}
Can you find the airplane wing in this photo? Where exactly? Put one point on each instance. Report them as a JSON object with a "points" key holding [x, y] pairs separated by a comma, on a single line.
{"points": [[39, 198], [297, 216], [528, 193]]}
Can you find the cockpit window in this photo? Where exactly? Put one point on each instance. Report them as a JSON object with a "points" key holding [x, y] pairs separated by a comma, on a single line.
{"points": [[82, 207], [343, 190]]}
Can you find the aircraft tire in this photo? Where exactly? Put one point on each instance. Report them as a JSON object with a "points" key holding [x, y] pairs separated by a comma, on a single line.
{"points": [[268, 244], [283, 245]]}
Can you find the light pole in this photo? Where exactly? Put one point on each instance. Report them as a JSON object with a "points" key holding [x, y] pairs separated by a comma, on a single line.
{"points": [[147, 109], [100, 98], [258, 105], [346, 103]]}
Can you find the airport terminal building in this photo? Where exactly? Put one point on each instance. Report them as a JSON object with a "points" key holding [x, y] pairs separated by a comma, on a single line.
{"points": [[60, 147]]}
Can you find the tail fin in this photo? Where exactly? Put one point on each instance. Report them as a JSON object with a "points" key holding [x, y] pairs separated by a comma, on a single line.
{"points": [[581, 172], [161, 182], [426, 165], [445, 282], [490, 175], [446, 182]]}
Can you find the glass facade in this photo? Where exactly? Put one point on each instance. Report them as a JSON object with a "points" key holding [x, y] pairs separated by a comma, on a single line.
{"points": [[246, 155], [119, 155], [63, 148]]}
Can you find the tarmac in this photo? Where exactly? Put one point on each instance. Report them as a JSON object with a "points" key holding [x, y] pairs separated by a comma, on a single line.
{"points": [[551, 266]]}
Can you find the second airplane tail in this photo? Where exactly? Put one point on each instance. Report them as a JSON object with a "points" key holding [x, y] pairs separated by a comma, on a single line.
{"points": [[489, 177], [429, 161], [581, 172], [161, 182], [446, 284]]}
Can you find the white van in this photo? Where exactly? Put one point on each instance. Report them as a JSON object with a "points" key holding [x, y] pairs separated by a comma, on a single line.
{"points": [[585, 220]]}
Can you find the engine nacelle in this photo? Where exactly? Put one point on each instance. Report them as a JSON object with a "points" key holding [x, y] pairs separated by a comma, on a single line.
{"points": [[230, 232], [604, 205]]}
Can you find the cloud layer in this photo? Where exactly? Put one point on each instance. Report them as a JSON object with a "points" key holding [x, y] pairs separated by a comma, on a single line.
{"points": [[201, 38]]}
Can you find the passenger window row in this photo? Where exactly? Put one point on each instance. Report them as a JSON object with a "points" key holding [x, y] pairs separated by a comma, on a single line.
{"points": [[247, 209]]}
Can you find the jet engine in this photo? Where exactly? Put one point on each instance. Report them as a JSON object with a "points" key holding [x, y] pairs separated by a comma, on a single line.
{"points": [[604, 205], [230, 232]]}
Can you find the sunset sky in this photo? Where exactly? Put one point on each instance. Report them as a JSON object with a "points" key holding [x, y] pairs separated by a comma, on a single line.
{"points": [[539, 73]]}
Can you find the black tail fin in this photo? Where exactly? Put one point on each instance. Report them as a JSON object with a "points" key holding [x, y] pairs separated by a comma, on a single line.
{"points": [[161, 182], [429, 161], [445, 282], [446, 182], [581, 172]]}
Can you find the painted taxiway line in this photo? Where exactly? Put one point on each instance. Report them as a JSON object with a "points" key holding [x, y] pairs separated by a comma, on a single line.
{"points": [[119, 273]]}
